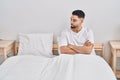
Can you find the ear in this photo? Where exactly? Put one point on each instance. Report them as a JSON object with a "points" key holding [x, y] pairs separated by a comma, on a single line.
{"points": [[82, 19]]}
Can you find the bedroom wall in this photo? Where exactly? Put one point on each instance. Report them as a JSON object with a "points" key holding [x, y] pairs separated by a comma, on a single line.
{"points": [[29, 16]]}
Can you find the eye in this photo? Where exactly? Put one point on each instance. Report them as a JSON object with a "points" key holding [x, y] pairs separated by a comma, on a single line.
{"points": [[74, 20]]}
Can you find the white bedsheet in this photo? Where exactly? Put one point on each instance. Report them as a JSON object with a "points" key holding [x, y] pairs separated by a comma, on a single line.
{"points": [[63, 67]]}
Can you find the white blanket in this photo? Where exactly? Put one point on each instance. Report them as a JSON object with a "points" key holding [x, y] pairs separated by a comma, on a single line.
{"points": [[63, 67]]}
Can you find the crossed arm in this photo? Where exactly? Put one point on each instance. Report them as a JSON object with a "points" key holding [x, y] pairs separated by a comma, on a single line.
{"points": [[73, 49]]}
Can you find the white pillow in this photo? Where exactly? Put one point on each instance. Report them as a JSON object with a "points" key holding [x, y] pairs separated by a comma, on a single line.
{"points": [[39, 44]]}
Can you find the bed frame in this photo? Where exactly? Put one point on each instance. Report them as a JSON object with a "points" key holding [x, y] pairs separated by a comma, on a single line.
{"points": [[97, 47]]}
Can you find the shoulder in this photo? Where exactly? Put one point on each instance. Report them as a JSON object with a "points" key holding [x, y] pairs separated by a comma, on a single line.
{"points": [[88, 30], [65, 31]]}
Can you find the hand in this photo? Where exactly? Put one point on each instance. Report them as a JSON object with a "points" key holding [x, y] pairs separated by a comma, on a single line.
{"points": [[70, 46], [88, 43]]}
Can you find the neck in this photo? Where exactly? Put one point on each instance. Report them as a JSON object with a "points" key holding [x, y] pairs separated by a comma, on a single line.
{"points": [[77, 29]]}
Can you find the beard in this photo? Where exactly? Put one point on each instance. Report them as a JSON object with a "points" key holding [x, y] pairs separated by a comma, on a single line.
{"points": [[73, 27]]}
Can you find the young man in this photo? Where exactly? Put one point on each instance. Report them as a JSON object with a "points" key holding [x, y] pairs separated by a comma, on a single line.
{"points": [[77, 39]]}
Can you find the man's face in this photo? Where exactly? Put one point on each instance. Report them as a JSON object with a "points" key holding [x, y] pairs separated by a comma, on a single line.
{"points": [[76, 21]]}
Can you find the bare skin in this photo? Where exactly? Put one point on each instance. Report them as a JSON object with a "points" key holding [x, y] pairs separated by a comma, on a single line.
{"points": [[73, 49], [76, 26]]}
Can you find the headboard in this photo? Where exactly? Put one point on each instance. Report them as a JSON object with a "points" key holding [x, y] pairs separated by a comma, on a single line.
{"points": [[97, 47]]}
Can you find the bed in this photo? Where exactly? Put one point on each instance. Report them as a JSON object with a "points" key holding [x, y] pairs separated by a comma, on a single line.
{"points": [[62, 67]]}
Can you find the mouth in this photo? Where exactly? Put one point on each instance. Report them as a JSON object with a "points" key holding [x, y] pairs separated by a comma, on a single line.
{"points": [[73, 27]]}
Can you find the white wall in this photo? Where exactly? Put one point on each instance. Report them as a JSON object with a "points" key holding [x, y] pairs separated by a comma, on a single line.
{"points": [[27, 16]]}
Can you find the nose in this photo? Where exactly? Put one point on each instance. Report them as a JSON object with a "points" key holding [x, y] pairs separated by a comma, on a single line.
{"points": [[71, 22]]}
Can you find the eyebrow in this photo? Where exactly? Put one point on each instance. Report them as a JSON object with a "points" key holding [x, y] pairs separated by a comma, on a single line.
{"points": [[73, 19]]}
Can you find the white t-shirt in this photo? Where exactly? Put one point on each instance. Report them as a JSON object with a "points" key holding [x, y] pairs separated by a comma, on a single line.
{"points": [[78, 39]]}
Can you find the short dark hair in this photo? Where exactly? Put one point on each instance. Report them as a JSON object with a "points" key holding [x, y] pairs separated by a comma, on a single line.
{"points": [[79, 13]]}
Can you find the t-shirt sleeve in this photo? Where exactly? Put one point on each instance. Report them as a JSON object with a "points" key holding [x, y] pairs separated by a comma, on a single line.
{"points": [[90, 36], [62, 41]]}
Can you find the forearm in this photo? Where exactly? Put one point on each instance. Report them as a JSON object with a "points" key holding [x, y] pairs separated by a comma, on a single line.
{"points": [[67, 50], [83, 49]]}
